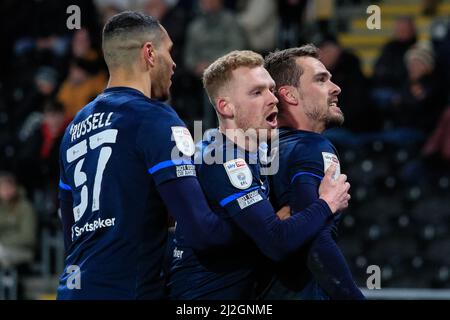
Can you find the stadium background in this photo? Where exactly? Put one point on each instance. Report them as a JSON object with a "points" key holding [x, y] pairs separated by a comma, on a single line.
{"points": [[394, 146]]}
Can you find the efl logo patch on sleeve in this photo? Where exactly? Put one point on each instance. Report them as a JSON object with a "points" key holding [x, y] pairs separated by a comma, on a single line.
{"points": [[249, 199], [328, 160], [239, 173], [183, 140]]}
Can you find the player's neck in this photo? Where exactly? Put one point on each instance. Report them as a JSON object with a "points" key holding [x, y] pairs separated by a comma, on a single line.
{"points": [[121, 78], [300, 122], [244, 140]]}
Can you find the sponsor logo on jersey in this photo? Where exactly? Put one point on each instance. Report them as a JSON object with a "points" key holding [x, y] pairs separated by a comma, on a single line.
{"points": [[177, 253], [93, 226], [249, 199], [183, 140], [239, 173], [328, 160]]}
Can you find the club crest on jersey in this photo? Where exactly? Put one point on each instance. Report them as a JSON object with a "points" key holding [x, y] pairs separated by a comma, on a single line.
{"points": [[239, 173], [328, 160], [183, 140]]}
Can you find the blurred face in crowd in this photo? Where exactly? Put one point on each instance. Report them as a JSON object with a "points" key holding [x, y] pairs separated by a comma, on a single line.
{"points": [[156, 8], [54, 120], [210, 5], [77, 75], [251, 96], [108, 11], [317, 94], [417, 68], [45, 87], [164, 68], [404, 30], [329, 54], [8, 189], [81, 43]]}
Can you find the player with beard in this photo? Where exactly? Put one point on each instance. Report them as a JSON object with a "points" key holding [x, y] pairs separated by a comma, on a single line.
{"points": [[308, 104], [242, 93]]}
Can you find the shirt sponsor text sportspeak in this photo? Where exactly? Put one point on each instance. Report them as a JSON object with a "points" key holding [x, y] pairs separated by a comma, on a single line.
{"points": [[90, 227]]}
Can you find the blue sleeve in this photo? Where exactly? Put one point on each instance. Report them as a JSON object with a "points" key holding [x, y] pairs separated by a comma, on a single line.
{"points": [[309, 159], [328, 265], [325, 259], [223, 187], [167, 148], [278, 238], [247, 205], [202, 228]]}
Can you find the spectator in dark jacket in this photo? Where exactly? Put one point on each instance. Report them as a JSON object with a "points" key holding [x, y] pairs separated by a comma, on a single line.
{"points": [[354, 100], [390, 71]]}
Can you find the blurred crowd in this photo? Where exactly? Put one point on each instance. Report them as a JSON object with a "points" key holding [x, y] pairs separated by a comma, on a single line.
{"points": [[48, 73]]}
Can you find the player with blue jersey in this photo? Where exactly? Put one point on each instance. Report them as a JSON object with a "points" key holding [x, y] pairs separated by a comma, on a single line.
{"points": [[228, 168], [125, 162], [308, 105]]}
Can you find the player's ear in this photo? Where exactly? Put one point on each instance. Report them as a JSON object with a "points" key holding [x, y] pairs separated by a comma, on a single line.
{"points": [[287, 94], [224, 107], [148, 53]]}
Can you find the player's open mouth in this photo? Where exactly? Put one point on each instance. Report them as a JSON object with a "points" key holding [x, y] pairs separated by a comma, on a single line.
{"points": [[333, 103], [272, 119]]}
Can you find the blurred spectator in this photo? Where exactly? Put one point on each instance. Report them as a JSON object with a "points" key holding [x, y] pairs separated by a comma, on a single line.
{"points": [[292, 16], [390, 70], [122, 4], [260, 21], [83, 83], [44, 86], [17, 224], [47, 38], [175, 16], [422, 97], [438, 145], [429, 7], [82, 46], [38, 147], [107, 11], [175, 19], [324, 10], [210, 35], [440, 35], [6, 148], [347, 74], [86, 76]]}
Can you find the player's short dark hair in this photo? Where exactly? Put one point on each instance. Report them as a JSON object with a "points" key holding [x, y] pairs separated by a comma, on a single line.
{"points": [[126, 31], [282, 64], [129, 21]]}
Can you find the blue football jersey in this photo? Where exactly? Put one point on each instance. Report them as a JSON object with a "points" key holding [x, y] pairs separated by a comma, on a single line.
{"points": [[303, 155], [231, 180], [114, 154]]}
